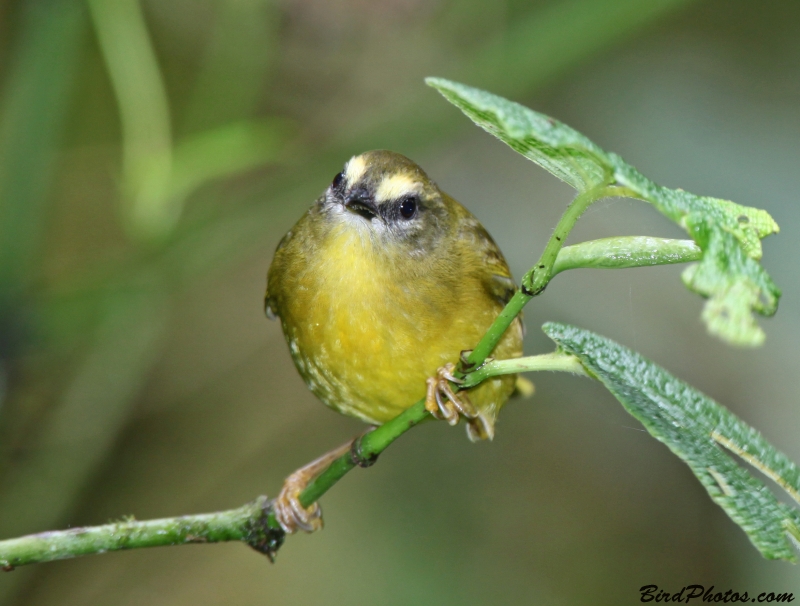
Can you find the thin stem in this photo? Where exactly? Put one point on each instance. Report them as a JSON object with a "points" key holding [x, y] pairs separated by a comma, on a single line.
{"points": [[556, 361], [367, 449], [624, 252], [540, 274], [535, 281]]}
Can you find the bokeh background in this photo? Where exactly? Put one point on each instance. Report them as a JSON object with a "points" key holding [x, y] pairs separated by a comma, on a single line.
{"points": [[153, 152]]}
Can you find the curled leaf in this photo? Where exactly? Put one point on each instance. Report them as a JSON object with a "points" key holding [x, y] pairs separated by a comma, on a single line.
{"points": [[729, 234]]}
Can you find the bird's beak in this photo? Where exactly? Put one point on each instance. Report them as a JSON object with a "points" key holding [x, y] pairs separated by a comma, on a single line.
{"points": [[359, 204]]}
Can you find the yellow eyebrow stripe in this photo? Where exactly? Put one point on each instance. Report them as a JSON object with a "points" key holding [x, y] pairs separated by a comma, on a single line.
{"points": [[355, 169], [396, 186]]}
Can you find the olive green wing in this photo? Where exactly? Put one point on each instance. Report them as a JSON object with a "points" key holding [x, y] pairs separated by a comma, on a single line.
{"points": [[502, 287], [270, 310], [497, 281]]}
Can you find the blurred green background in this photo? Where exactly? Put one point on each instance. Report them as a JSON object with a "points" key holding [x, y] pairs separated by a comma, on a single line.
{"points": [[152, 154]]}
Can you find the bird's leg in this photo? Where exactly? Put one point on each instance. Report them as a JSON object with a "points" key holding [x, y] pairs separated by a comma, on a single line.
{"points": [[442, 402], [291, 515]]}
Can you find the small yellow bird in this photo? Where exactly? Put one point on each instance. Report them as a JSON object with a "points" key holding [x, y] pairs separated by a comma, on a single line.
{"points": [[379, 288]]}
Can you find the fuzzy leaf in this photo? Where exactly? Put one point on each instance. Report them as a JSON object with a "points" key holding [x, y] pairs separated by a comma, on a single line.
{"points": [[696, 429], [729, 234]]}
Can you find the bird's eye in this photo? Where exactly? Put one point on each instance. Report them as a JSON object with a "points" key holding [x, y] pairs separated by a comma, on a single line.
{"points": [[408, 208], [338, 180]]}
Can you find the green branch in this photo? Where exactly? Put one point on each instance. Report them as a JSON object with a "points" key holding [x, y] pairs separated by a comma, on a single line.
{"points": [[364, 452], [255, 523], [537, 278], [247, 524]]}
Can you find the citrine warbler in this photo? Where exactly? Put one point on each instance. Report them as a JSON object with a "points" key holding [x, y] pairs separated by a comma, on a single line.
{"points": [[379, 287]]}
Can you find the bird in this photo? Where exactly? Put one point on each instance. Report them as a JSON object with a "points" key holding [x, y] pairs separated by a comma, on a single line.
{"points": [[379, 288]]}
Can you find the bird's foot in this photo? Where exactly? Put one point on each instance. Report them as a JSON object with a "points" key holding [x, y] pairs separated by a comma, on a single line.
{"points": [[289, 512], [442, 402]]}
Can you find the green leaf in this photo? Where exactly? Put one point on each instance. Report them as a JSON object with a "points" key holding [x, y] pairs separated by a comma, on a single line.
{"points": [[552, 145], [729, 234], [695, 428], [626, 251]]}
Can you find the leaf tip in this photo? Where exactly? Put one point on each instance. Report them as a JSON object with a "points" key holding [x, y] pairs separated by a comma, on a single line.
{"points": [[553, 329], [439, 83]]}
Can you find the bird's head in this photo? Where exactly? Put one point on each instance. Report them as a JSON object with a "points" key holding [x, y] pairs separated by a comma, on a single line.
{"points": [[388, 197]]}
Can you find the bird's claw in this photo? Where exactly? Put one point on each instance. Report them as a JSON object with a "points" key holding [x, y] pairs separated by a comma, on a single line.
{"points": [[291, 515], [442, 402], [289, 512]]}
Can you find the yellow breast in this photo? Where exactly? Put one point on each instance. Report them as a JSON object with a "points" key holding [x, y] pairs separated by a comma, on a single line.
{"points": [[366, 329]]}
